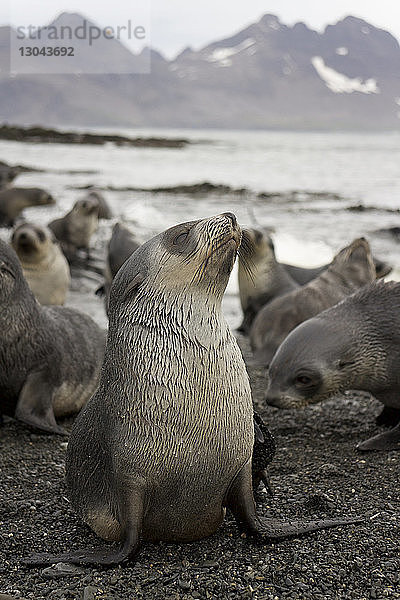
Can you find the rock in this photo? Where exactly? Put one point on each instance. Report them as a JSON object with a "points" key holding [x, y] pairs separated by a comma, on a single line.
{"points": [[62, 570], [184, 585], [89, 593]]}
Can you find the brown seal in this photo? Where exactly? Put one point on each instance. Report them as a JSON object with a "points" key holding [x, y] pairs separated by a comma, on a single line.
{"points": [[44, 265], [76, 228], [354, 345], [50, 357], [105, 211], [14, 200], [351, 269], [165, 444], [261, 277]]}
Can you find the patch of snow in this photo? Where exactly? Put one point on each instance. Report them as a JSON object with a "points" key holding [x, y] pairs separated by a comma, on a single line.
{"points": [[222, 55], [397, 100], [289, 66], [225, 62], [273, 23], [341, 84], [365, 30], [342, 51]]}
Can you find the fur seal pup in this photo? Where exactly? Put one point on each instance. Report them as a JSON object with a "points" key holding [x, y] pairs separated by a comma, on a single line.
{"points": [[351, 269], [354, 345], [120, 247], [261, 277], [50, 357], [165, 444], [14, 200], [44, 265], [7, 174], [75, 229], [302, 275], [105, 211]]}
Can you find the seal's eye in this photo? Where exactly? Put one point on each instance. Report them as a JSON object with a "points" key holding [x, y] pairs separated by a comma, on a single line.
{"points": [[180, 238], [41, 236], [303, 380]]}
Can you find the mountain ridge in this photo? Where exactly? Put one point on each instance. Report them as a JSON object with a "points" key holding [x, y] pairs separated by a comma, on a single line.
{"points": [[267, 75]]}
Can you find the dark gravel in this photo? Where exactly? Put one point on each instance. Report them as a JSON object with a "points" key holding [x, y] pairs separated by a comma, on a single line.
{"points": [[316, 473]]}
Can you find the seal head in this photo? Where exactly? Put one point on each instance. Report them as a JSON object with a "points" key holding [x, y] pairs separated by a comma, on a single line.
{"points": [[44, 265], [355, 345]]}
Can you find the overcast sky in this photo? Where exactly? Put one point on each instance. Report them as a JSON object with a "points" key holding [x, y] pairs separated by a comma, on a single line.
{"points": [[176, 24]]}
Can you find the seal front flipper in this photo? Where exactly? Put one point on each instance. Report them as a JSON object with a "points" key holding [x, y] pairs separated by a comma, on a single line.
{"points": [[390, 440], [34, 405], [240, 502]]}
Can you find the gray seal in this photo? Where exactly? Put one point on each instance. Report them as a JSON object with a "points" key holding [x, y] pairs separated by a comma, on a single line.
{"points": [[44, 265], [76, 228], [105, 211], [50, 357], [120, 247], [14, 200], [165, 444], [7, 174], [354, 345], [261, 277], [351, 269], [304, 275]]}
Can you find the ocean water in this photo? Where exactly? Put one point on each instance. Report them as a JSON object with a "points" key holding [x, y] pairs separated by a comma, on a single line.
{"points": [[329, 173]]}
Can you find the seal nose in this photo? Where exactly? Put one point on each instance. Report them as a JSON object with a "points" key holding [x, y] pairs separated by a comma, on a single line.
{"points": [[231, 217]]}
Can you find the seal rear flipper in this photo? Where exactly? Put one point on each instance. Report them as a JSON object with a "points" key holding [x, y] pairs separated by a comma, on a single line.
{"points": [[113, 555], [390, 440], [131, 510], [35, 406], [240, 501]]}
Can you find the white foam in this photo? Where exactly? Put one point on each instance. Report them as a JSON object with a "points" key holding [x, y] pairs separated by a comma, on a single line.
{"points": [[342, 51], [340, 83], [223, 55]]}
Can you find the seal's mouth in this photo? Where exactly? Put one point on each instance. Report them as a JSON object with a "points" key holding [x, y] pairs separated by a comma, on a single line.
{"points": [[26, 244]]}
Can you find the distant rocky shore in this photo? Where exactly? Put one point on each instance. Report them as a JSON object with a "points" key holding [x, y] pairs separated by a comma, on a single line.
{"points": [[53, 136]]}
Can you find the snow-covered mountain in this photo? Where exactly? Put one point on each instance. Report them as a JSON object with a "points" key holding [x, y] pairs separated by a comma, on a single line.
{"points": [[268, 75]]}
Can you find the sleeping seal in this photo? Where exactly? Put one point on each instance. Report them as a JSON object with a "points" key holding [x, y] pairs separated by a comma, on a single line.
{"points": [[351, 269], [165, 444], [261, 277], [44, 265], [354, 345], [14, 200], [50, 357], [75, 229]]}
